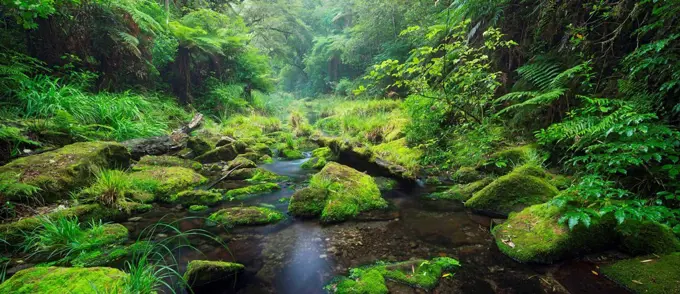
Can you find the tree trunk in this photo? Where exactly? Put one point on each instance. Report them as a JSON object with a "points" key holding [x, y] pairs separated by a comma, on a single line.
{"points": [[183, 85]]}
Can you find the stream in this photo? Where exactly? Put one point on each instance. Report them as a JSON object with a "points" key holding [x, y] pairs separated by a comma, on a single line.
{"points": [[301, 256]]}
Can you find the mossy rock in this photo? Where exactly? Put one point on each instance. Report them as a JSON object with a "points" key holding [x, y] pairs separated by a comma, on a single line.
{"points": [[560, 181], [199, 146], [257, 175], [49, 280], [262, 149], [245, 216], [422, 274], [202, 272], [535, 235], [13, 232], [151, 161], [346, 193], [241, 162], [502, 162], [466, 175], [64, 170], [320, 157], [170, 180], [197, 197], [385, 184], [531, 169], [512, 193], [109, 234], [646, 237], [198, 208], [647, 274], [250, 155], [223, 153], [307, 202], [289, 153], [461, 192], [266, 159], [109, 256], [245, 192]]}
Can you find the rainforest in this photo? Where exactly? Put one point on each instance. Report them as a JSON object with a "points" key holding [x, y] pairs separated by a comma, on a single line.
{"points": [[339, 146]]}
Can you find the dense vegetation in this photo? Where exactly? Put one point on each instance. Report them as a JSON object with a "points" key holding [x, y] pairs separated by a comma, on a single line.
{"points": [[567, 109]]}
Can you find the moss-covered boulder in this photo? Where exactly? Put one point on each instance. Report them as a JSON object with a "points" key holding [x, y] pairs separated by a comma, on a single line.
{"points": [[105, 256], [319, 158], [262, 149], [254, 175], [422, 274], [466, 175], [461, 192], [169, 180], [49, 280], [196, 197], [502, 162], [241, 162], [151, 161], [535, 235], [61, 171], [245, 216], [107, 234], [245, 192], [202, 272], [290, 153], [647, 274], [646, 237], [512, 193], [307, 202], [346, 193], [198, 146], [223, 153]]}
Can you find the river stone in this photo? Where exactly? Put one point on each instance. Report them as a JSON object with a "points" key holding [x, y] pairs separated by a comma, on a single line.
{"points": [[245, 216], [647, 274], [223, 153], [342, 191], [50, 280], [202, 272], [535, 235], [64, 170], [198, 145], [512, 193]]}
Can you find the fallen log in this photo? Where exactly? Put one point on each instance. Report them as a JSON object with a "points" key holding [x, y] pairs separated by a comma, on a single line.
{"points": [[163, 144]]}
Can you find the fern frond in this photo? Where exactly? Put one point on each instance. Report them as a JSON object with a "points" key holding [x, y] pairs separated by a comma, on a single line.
{"points": [[131, 43], [540, 74], [564, 77]]}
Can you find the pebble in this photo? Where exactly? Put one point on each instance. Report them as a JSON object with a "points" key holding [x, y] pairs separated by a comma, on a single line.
{"points": [[135, 219], [323, 256], [161, 235]]}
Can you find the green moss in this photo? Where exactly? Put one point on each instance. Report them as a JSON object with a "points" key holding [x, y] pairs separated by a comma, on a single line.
{"points": [[262, 149], [200, 272], [291, 154], [406, 160], [560, 181], [255, 175], [385, 184], [266, 159], [502, 162], [107, 234], [365, 282], [167, 161], [196, 197], [198, 208], [647, 274], [461, 192], [170, 180], [66, 169], [349, 192], [253, 190], [239, 216], [241, 162], [199, 146], [109, 256], [512, 192], [534, 235], [223, 153], [424, 274], [307, 202], [531, 169], [647, 237], [49, 280], [466, 175], [319, 158]]}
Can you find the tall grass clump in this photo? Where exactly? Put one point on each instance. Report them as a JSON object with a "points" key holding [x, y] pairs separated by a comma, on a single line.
{"points": [[61, 237], [103, 115]]}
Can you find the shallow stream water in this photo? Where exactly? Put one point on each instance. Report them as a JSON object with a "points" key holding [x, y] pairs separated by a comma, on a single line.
{"points": [[301, 256]]}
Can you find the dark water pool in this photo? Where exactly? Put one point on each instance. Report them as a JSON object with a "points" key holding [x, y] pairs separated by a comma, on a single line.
{"points": [[301, 256]]}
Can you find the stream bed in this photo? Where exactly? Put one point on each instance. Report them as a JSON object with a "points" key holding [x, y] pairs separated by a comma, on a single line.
{"points": [[301, 256]]}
